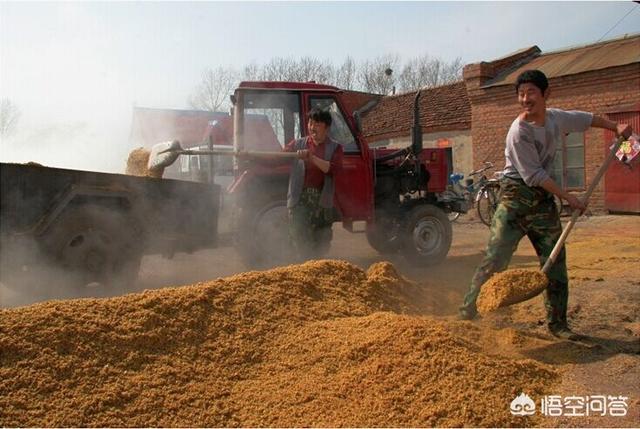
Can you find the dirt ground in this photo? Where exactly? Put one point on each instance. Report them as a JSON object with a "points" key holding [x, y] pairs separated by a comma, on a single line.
{"points": [[604, 304]]}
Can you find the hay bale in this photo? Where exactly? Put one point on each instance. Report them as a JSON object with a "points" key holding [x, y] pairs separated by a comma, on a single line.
{"points": [[510, 287]]}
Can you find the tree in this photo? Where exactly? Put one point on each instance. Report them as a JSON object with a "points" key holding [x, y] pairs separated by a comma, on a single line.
{"points": [[372, 75], [278, 69], [429, 72], [345, 74], [9, 115], [213, 92], [308, 69], [376, 76], [251, 72]]}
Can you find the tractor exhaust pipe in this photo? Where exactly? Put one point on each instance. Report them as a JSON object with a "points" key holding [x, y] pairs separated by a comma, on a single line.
{"points": [[416, 129], [416, 139]]}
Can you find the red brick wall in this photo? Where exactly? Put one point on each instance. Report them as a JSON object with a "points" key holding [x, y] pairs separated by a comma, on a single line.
{"points": [[493, 109]]}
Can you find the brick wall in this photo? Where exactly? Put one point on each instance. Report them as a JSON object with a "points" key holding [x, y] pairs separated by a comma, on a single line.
{"points": [[494, 108]]}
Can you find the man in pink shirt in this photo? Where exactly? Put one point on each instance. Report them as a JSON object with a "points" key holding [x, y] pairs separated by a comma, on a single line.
{"points": [[312, 185]]}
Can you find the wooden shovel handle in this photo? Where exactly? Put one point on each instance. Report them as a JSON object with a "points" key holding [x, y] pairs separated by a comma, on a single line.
{"points": [[242, 154], [574, 215]]}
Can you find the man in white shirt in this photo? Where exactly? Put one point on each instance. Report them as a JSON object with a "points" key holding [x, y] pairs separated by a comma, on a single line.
{"points": [[526, 204]]}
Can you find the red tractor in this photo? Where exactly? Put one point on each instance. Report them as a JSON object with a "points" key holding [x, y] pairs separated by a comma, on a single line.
{"points": [[395, 192]]}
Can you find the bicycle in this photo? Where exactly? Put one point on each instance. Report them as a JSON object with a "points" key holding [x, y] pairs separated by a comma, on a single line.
{"points": [[483, 194]]}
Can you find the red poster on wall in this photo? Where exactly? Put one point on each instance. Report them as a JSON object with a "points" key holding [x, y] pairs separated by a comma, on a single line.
{"points": [[622, 179], [629, 149]]}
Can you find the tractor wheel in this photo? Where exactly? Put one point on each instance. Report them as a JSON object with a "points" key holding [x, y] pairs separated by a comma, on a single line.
{"points": [[95, 246], [384, 234], [262, 240], [426, 235]]}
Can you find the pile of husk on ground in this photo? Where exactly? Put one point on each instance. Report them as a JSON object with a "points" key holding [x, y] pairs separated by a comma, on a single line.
{"points": [[318, 344]]}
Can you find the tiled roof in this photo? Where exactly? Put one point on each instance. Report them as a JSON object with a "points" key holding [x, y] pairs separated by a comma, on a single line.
{"points": [[442, 108]]}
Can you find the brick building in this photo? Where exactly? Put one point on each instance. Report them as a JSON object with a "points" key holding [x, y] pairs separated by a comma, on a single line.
{"points": [[603, 78], [473, 117]]}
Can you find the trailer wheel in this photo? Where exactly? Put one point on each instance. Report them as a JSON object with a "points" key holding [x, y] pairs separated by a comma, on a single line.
{"points": [[95, 246], [384, 234], [426, 235]]}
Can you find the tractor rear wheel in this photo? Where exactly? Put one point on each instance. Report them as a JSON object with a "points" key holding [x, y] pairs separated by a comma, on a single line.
{"points": [[426, 235], [384, 234], [262, 237]]}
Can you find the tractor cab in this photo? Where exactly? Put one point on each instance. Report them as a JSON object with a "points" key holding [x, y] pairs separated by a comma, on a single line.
{"points": [[283, 108]]}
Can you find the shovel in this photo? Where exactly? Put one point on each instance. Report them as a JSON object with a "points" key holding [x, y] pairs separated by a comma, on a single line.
{"points": [[536, 283], [165, 154], [574, 215]]}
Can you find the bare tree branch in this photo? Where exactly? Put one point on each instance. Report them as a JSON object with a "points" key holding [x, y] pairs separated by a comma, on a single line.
{"points": [[371, 76], [251, 72], [213, 91], [374, 76], [345, 75], [429, 72]]}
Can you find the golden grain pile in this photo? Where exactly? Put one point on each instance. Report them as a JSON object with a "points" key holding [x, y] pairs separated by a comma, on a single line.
{"points": [[137, 164], [510, 287], [317, 344]]}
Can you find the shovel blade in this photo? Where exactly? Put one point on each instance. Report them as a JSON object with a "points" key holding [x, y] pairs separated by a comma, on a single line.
{"points": [[164, 154]]}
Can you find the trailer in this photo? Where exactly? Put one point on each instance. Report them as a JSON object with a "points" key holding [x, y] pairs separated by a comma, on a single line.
{"points": [[96, 227]]}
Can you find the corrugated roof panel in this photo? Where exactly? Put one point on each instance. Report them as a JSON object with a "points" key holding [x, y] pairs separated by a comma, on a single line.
{"points": [[614, 53]]}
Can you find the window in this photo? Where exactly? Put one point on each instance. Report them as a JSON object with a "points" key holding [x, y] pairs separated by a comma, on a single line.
{"points": [[271, 120], [339, 130], [568, 165]]}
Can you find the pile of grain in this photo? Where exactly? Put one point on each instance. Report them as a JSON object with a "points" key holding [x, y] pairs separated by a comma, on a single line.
{"points": [[317, 344], [137, 164], [510, 287]]}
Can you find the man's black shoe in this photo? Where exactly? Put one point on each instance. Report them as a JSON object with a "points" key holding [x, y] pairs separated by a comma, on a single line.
{"points": [[566, 334]]}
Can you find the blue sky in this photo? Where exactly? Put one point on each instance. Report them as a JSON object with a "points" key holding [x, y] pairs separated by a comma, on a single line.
{"points": [[75, 69]]}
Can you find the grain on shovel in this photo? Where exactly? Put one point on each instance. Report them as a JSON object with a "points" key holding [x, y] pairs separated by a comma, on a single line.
{"points": [[510, 287], [137, 164]]}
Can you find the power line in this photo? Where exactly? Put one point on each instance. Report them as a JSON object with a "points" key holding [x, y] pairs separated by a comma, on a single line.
{"points": [[616, 24]]}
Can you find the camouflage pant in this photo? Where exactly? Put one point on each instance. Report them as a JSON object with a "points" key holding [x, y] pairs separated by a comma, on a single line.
{"points": [[309, 223], [529, 211]]}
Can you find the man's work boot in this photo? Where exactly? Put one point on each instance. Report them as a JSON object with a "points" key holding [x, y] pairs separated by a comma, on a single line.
{"points": [[565, 333]]}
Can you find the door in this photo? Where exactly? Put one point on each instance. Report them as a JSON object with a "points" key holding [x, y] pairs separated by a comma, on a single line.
{"points": [[621, 181], [354, 187]]}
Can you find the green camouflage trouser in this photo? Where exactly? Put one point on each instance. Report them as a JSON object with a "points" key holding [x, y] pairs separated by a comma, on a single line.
{"points": [[309, 223], [530, 211]]}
